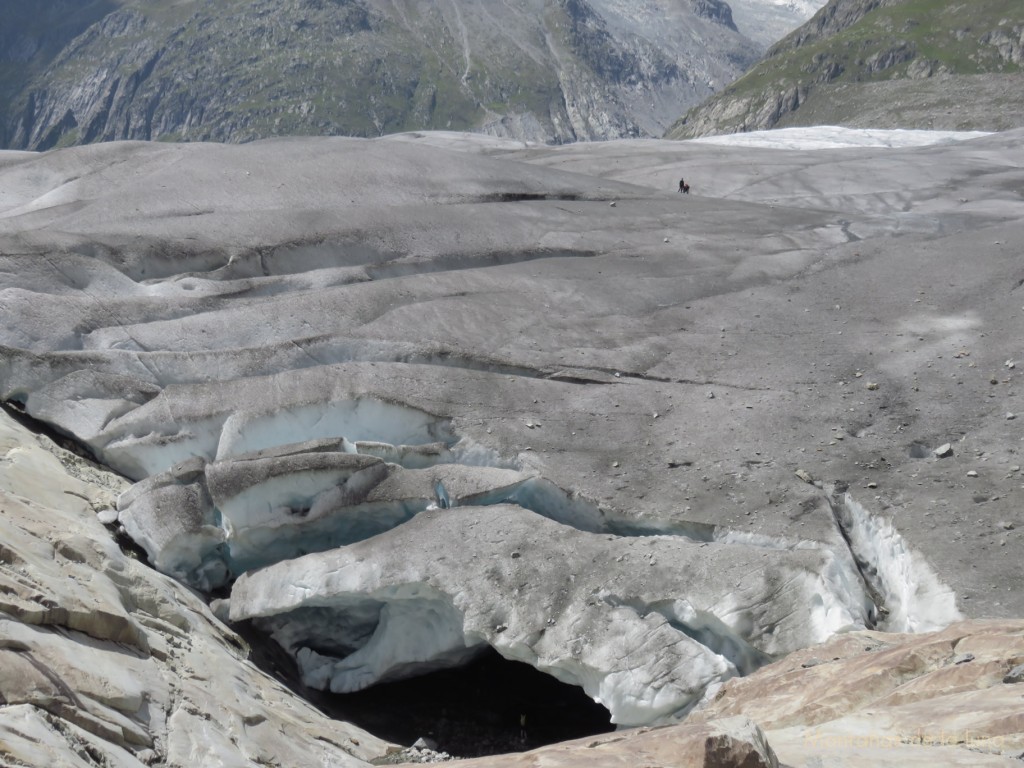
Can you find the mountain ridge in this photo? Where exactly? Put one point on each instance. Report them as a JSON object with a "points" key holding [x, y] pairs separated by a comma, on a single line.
{"points": [[914, 54], [546, 70]]}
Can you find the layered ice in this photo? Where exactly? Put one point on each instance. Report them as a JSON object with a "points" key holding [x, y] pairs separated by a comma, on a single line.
{"points": [[172, 517], [140, 428], [913, 596], [598, 611], [361, 419], [643, 616], [206, 522], [419, 630]]}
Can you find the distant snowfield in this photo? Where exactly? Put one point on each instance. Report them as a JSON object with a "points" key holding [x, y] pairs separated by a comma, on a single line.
{"points": [[837, 137], [768, 21], [816, 137], [804, 7]]}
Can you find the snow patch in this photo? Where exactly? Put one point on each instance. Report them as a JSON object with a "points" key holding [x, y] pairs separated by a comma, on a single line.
{"points": [[837, 137]]}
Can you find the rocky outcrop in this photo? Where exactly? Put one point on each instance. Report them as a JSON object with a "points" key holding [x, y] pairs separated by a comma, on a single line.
{"points": [[1009, 43], [104, 661], [833, 18], [716, 10], [862, 699], [734, 742], [890, 700]]}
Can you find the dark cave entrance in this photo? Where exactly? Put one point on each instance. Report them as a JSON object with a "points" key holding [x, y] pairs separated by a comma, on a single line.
{"points": [[470, 711], [476, 709]]}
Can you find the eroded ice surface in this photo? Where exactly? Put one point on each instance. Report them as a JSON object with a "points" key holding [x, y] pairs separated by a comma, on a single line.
{"points": [[603, 612], [382, 598], [329, 354], [205, 522]]}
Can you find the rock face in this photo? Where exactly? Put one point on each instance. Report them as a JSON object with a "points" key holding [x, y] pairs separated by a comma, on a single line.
{"points": [[880, 64], [352, 379], [103, 661], [734, 742], [549, 71], [889, 700]]}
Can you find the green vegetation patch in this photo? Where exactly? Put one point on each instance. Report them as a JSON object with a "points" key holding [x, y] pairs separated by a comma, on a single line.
{"points": [[911, 39]]}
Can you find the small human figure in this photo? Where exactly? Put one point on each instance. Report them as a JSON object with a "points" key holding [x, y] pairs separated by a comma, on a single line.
{"points": [[684, 188], [522, 728]]}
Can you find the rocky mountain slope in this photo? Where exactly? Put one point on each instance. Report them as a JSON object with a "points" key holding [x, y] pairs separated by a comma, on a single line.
{"points": [[883, 64], [80, 71]]}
